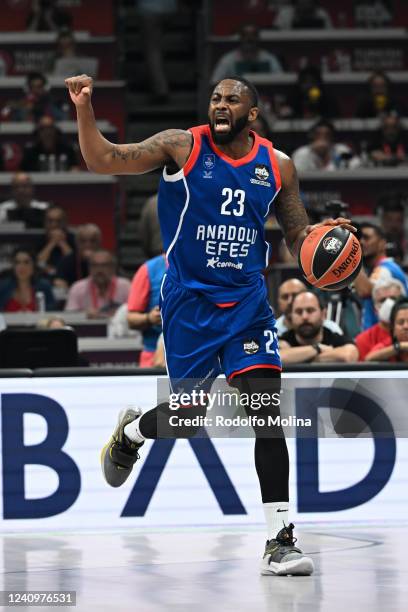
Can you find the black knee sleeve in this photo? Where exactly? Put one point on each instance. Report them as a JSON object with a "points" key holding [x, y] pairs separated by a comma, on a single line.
{"points": [[271, 453]]}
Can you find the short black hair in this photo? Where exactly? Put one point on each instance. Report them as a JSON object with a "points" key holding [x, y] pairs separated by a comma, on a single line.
{"points": [[34, 76], [251, 88], [322, 123], [378, 230]]}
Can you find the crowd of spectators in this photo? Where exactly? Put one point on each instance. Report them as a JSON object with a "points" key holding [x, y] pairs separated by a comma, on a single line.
{"points": [[69, 270]]}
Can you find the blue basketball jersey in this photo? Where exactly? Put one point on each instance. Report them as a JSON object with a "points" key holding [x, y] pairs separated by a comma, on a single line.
{"points": [[212, 215]]}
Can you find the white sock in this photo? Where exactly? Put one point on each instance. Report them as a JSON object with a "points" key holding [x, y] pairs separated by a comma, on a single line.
{"points": [[132, 431], [276, 516]]}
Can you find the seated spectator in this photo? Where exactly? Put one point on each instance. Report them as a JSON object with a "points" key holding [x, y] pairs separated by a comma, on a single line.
{"points": [[45, 16], [248, 57], [150, 234], [75, 265], [395, 348], [49, 151], [377, 266], [67, 62], [378, 99], [391, 209], [102, 292], [308, 340], [143, 305], [385, 293], [58, 240], [22, 206], [323, 153], [390, 146], [288, 290], [310, 99], [302, 14], [34, 104], [19, 291]]}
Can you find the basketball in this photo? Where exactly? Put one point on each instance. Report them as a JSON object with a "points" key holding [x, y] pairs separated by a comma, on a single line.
{"points": [[330, 257]]}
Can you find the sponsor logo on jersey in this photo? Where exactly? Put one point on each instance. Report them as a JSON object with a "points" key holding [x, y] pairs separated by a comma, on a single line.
{"points": [[215, 262], [350, 260], [262, 173], [207, 174], [251, 347], [209, 161], [332, 245]]}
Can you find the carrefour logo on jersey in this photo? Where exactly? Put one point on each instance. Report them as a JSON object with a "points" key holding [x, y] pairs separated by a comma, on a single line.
{"points": [[228, 240]]}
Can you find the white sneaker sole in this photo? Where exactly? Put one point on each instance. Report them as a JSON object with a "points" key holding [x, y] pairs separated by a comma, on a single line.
{"points": [[298, 567]]}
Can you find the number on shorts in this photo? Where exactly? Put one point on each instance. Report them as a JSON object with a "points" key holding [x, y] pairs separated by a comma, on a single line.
{"points": [[272, 337]]}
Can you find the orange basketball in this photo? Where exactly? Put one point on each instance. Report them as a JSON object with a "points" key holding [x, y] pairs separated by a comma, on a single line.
{"points": [[330, 257]]}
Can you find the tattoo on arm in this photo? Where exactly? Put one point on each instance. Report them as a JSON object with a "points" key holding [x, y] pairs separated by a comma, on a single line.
{"points": [[168, 143], [290, 211]]}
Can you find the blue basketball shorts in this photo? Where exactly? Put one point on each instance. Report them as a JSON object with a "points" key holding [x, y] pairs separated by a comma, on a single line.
{"points": [[202, 340]]}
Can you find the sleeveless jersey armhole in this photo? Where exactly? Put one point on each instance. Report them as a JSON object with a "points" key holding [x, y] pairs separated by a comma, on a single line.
{"points": [[195, 151], [275, 166]]}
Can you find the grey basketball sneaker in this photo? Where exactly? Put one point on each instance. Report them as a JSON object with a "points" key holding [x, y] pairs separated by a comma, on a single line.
{"points": [[119, 454], [283, 558]]}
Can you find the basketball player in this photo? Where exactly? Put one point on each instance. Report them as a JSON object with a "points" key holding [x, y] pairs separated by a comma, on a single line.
{"points": [[220, 181]]}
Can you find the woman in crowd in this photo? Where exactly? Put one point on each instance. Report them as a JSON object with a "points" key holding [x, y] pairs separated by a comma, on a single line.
{"points": [[395, 349], [22, 290]]}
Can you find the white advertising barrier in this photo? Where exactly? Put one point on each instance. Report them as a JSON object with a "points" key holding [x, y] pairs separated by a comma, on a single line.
{"points": [[52, 431]]}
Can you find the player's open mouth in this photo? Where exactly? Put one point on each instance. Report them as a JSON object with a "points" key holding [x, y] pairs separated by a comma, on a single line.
{"points": [[222, 123]]}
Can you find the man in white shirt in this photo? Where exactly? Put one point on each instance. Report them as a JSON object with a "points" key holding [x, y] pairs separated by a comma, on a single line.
{"points": [[22, 206], [248, 57], [323, 153]]}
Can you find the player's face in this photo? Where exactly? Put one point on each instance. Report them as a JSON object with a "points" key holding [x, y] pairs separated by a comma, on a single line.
{"points": [[230, 111], [307, 316]]}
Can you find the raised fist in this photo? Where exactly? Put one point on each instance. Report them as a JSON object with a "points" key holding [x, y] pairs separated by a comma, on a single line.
{"points": [[80, 89]]}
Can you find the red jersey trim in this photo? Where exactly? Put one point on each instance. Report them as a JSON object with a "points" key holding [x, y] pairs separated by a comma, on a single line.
{"points": [[226, 304], [195, 151], [254, 367], [233, 162]]}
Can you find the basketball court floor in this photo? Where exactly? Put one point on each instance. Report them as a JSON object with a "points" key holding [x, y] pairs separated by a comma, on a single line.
{"points": [[358, 567]]}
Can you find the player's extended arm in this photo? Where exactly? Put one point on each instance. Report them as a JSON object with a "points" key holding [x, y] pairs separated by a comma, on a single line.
{"points": [[104, 157], [290, 211]]}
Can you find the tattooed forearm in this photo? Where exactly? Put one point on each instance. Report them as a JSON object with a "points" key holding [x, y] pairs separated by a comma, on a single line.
{"points": [[290, 212], [162, 147]]}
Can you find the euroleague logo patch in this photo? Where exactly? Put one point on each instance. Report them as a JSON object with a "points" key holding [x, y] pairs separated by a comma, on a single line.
{"points": [[262, 173], [251, 347], [332, 245]]}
